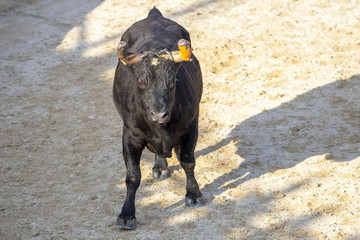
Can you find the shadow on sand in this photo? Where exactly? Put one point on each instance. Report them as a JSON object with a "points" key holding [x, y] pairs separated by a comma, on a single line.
{"points": [[325, 120]]}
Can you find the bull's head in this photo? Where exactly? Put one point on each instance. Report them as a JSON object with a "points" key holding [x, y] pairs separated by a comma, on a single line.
{"points": [[155, 73]]}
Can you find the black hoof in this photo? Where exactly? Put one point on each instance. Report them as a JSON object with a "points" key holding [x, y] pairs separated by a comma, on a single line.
{"points": [[125, 224], [194, 202], [160, 173]]}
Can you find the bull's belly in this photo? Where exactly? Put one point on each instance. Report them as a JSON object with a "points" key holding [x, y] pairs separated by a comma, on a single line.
{"points": [[161, 150]]}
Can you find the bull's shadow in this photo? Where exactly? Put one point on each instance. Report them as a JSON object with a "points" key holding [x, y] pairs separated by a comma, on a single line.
{"points": [[325, 120]]}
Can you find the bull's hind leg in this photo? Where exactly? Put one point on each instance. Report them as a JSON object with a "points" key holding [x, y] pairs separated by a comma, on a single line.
{"points": [[187, 160], [160, 168]]}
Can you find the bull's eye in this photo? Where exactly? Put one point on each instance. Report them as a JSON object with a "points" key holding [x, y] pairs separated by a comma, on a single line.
{"points": [[141, 84], [172, 83]]}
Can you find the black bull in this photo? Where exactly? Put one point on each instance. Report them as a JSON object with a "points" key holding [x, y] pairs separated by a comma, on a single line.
{"points": [[158, 99]]}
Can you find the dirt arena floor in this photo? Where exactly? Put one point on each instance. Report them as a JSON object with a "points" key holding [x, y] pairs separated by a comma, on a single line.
{"points": [[278, 156]]}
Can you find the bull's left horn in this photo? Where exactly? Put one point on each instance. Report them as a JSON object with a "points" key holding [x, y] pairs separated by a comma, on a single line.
{"points": [[184, 54]]}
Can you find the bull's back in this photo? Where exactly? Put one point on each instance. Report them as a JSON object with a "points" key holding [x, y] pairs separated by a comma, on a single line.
{"points": [[154, 33]]}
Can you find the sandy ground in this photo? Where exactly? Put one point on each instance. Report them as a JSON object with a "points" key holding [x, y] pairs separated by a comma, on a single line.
{"points": [[278, 155]]}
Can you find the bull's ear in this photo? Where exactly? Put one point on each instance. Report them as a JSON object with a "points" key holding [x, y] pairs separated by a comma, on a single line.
{"points": [[126, 58]]}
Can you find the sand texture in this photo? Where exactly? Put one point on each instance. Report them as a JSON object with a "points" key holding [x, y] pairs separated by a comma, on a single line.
{"points": [[278, 155]]}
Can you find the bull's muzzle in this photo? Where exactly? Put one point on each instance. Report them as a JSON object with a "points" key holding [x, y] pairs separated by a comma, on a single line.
{"points": [[160, 116]]}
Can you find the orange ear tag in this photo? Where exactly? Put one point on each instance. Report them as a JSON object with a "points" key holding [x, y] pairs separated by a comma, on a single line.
{"points": [[185, 49]]}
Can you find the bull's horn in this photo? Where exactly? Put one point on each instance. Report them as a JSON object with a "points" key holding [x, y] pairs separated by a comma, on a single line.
{"points": [[130, 59], [178, 56], [120, 51]]}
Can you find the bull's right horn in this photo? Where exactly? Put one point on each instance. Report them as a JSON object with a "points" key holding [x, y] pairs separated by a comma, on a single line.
{"points": [[120, 51], [130, 59]]}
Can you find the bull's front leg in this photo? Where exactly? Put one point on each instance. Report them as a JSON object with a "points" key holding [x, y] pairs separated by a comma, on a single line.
{"points": [[187, 160], [132, 153]]}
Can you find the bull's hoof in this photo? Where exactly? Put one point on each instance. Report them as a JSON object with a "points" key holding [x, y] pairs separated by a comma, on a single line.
{"points": [[160, 173], [194, 202], [125, 224]]}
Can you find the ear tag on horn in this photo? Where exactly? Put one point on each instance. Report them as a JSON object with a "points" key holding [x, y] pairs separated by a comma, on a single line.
{"points": [[185, 49]]}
